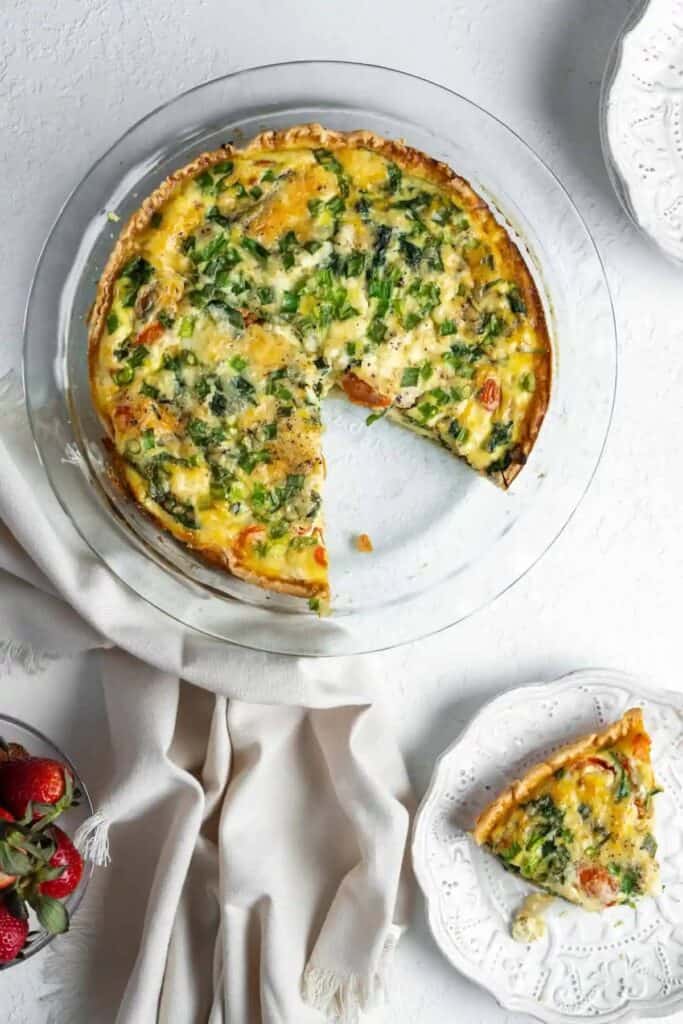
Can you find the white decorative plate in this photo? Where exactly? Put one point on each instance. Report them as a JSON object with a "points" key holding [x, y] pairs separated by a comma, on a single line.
{"points": [[642, 121], [611, 966]]}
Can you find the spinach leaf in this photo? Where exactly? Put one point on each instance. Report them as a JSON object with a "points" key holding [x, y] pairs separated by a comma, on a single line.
{"points": [[255, 248], [501, 434], [394, 178], [135, 274]]}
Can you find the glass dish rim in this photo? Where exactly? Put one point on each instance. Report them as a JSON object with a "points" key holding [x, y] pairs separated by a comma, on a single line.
{"points": [[88, 865], [308, 62]]}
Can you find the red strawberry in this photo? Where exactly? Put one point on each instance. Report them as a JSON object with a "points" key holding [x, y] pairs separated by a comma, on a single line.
{"points": [[67, 856], [13, 932], [6, 880], [35, 780]]}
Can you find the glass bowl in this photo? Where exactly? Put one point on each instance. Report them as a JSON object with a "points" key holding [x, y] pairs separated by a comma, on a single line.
{"points": [[446, 541], [37, 745]]}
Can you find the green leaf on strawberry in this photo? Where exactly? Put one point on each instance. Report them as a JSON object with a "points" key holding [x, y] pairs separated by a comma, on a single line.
{"points": [[53, 915], [13, 861]]}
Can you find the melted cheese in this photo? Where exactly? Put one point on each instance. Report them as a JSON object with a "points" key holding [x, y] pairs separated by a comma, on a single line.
{"points": [[528, 924]]}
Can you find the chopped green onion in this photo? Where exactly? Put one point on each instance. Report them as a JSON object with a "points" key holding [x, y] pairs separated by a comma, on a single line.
{"points": [[394, 177], [255, 248], [376, 331], [112, 323], [290, 302], [439, 395], [515, 301], [225, 167], [138, 357], [336, 205], [328, 161], [186, 329], [205, 181], [427, 410], [354, 264], [410, 377], [124, 375], [447, 327]]}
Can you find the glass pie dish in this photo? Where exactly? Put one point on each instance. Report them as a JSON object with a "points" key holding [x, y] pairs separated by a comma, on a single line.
{"points": [[446, 542]]}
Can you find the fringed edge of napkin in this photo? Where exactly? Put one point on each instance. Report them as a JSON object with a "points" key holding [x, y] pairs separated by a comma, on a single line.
{"points": [[92, 839], [343, 998], [23, 655]]}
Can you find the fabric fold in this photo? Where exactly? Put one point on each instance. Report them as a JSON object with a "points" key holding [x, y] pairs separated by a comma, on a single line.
{"points": [[257, 814]]}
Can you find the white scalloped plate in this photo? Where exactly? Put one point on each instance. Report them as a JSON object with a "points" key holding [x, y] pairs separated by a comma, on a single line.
{"points": [[613, 966], [642, 121]]}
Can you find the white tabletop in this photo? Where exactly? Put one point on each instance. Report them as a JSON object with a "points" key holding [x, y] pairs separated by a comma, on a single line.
{"points": [[75, 74]]}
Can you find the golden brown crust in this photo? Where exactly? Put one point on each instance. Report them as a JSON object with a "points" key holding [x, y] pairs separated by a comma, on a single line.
{"points": [[522, 789], [408, 159], [227, 560]]}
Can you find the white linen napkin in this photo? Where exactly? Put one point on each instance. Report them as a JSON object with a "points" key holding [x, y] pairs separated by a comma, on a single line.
{"points": [[257, 848]]}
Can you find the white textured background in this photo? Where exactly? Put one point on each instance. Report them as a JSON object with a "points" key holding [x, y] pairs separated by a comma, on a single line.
{"points": [[74, 75]]}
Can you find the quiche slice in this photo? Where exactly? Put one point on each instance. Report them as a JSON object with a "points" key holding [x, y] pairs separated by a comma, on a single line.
{"points": [[581, 824], [255, 280]]}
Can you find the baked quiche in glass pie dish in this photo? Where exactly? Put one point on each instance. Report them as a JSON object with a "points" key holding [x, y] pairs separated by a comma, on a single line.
{"points": [[236, 313], [252, 282]]}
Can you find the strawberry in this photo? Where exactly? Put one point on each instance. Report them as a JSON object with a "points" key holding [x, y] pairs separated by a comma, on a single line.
{"points": [[45, 784], [66, 856], [6, 880], [13, 933]]}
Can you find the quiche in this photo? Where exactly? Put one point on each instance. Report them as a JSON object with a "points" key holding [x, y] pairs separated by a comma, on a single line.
{"points": [[581, 824], [255, 280]]}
